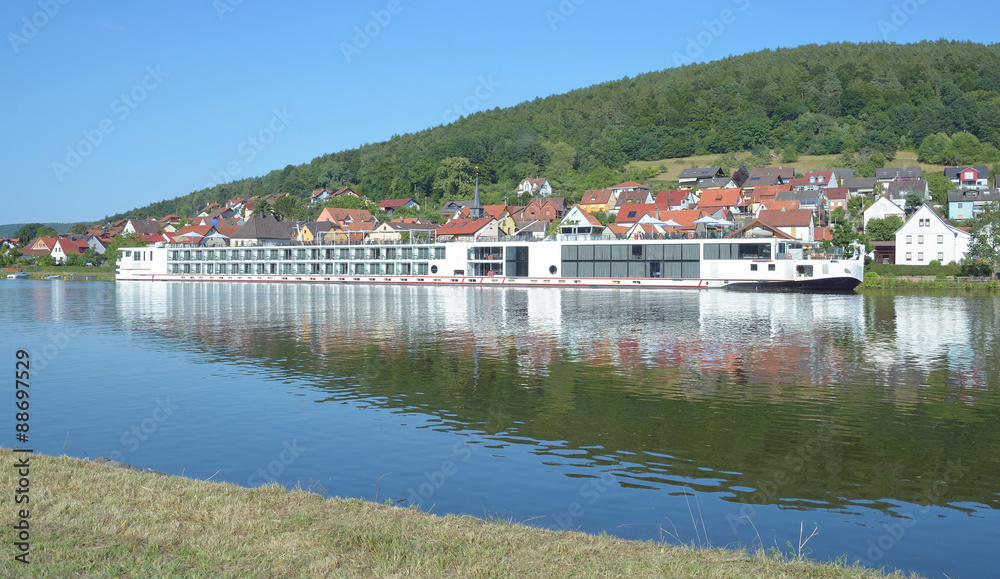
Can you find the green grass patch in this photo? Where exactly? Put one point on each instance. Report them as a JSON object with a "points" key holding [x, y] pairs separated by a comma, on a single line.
{"points": [[94, 521]]}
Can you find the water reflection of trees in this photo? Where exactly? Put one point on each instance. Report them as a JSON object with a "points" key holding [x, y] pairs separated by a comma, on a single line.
{"points": [[710, 389]]}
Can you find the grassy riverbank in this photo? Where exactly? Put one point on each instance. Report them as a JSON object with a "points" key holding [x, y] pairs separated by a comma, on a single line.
{"points": [[928, 282], [96, 521], [106, 273]]}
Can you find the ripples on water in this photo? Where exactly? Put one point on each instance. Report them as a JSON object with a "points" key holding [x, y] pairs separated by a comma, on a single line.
{"points": [[644, 407]]}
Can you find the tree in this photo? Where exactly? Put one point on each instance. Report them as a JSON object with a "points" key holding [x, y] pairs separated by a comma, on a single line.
{"points": [[113, 252], [913, 200], [8, 255], [78, 229], [32, 230], [939, 186], [454, 178], [289, 208], [883, 228], [985, 232]]}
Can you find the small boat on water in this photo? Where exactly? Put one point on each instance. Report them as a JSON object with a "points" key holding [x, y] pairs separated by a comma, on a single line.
{"points": [[18, 275], [52, 277]]}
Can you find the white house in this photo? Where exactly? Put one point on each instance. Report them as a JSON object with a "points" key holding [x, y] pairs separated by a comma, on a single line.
{"points": [[926, 236], [539, 186], [580, 222], [796, 223], [880, 209]]}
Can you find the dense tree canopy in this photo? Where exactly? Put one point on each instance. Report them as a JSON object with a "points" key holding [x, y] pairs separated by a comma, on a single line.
{"points": [[863, 101]]}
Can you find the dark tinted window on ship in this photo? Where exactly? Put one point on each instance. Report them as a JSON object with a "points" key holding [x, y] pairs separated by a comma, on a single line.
{"points": [[738, 251], [648, 260]]}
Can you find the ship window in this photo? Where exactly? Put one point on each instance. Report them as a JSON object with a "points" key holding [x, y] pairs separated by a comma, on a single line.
{"points": [[434, 269], [753, 267], [770, 267], [553, 269]]}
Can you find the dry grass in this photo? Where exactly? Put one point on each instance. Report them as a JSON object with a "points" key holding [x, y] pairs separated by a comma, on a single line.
{"points": [[805, 163], [94, 521]]}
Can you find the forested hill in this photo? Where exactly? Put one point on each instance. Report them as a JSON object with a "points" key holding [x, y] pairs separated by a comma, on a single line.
{"points": [[806, 100]]}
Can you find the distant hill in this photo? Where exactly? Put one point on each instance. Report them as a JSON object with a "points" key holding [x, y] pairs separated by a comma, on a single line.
{"points": [[809, 100], [10, 229]]}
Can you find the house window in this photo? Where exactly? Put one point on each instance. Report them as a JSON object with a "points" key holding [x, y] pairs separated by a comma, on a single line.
{"points": [[940, 239], [909, 256], [920, 239], [909, 239], [941, 256], [920, 256]]}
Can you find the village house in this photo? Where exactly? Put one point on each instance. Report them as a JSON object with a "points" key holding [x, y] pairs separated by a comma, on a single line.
{"points": [[64, 247], [897, 191], [889, 174], [390, 205], [968, 177], [544, 209], [259, 229], [880, 209], [836, 198], [767, 176], [717, 183], [970, 203], [797, 223], [712, 200], [469, 229], [814, 180], [535, 186], [453, 209], [860, 186], [632, 196], [926, 236], [763, 195], [690, 178], [597, 201], [320, 196], [343, 216], [140, 226], [628, 186], [579, 222], [673, 199]]}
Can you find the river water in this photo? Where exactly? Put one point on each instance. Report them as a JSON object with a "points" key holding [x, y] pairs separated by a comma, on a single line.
{"points": [[695, 417]]}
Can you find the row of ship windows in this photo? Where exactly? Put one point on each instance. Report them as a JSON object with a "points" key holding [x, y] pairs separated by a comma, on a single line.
{"points": [[303, 268], [355, 253]]}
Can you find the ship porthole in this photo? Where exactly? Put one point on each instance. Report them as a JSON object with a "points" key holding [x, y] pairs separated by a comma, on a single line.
{"points": [[552, 269], [434, 269]]}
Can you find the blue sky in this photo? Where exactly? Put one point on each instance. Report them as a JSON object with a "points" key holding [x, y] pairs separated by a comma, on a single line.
{"points": [[113, 105]]}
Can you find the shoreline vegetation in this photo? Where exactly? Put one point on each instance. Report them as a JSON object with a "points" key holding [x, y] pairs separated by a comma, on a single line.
{"points": [[97, 521]]}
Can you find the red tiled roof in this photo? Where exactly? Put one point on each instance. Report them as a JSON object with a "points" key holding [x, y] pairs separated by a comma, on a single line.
{"points": [[718, 198], [596, 197], [387, 203], [789, 218], [464, 226]]}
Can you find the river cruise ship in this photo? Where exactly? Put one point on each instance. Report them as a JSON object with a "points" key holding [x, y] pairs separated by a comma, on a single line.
{"points": [[567, 261]]}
